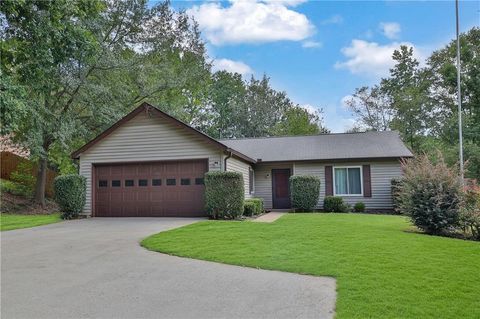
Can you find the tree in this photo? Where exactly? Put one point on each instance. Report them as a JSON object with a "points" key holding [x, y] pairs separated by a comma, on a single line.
{"points": [[372, 108], [407, 89], [226, 104], [299, 121], [264, 107], [83, 64], [442, 66]]}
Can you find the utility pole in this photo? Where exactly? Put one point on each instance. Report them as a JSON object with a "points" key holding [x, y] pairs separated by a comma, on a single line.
{"points": [[459, 96]]}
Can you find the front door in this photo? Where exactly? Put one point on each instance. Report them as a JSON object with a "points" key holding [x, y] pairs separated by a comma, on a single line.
{"points": [[281, 188]]}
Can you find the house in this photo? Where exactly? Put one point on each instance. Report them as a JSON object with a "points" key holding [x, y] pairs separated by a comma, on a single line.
{"points": [[151, 164]]}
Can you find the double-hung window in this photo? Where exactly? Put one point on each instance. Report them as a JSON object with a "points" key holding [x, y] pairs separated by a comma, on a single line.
{"points": [[348, 180]]}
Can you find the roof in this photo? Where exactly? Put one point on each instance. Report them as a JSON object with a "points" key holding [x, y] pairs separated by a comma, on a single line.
{"points": [[145, 107], [322, 147], [341, 146]]}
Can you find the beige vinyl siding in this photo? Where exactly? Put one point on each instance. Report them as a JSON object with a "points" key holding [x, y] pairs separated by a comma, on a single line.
{"points": [[236, 165], [381, 176], [263, 181], [147, 138]]}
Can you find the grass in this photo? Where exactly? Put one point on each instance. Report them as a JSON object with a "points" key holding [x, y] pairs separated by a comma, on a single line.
{"points": [[14, 221], [383, 269]]}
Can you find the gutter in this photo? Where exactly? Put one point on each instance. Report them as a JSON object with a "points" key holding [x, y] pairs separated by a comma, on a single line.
{"points": [[225, 161]]}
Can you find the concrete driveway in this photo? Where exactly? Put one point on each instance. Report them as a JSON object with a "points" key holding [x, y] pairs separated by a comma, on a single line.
{"points": [[95, 268]]}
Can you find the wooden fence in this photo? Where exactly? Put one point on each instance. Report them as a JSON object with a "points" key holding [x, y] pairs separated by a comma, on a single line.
{"points": [[9, 163]]}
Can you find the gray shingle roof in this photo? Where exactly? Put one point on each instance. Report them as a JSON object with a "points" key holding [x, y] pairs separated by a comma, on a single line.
{"points": [[322, 147]]}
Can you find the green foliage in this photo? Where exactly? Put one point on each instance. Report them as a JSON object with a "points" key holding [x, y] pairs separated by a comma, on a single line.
{"points": [[421, 102], [299, 121], [470, 213], [335, 204], [224, 195], [249, 209], [23, 178], [70, 194], [253, 206], [11, 187], [305, 191], [430, 194], [359, 207], [395, 189]]}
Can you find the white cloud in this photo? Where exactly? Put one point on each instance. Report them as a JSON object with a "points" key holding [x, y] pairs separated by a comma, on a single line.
{"points": [[232, 66], [312, 44], [371, 58], [390, 29], [335, 19], [251, 22], [310, 108]]}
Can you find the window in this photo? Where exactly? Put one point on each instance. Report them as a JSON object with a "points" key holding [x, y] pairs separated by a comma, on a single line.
{"points": [[129, 183], [143, 182], [103, 183], [348, 180], [251, 177], [199, 181], [156, 182], [116, 183], [171, 181], [185, 181]]}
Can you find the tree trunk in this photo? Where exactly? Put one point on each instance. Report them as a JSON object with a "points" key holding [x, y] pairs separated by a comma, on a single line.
{"points": [[41, 182]]}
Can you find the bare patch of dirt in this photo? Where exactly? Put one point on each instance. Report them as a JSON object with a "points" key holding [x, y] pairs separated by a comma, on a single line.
{"points": [[15, 204]]}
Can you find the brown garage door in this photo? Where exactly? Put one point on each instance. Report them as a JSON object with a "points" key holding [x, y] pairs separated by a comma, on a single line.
{"points": [[150, 189]]}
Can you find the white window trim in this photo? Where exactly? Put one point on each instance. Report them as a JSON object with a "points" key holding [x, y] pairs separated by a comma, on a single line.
{"points": [[361, 181]]}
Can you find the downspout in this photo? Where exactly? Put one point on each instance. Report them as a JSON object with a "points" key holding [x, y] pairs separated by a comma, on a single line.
{"points": [[225, 161]]}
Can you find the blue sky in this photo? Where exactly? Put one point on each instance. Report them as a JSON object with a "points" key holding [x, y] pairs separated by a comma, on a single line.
{"points": [[320, 51]]}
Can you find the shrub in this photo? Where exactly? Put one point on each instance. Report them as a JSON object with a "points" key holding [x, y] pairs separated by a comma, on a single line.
{"points": [[257, 206], [70, 194], [395, 188], [224, 195], [305, 191], [470, 214], [430, 194], [359, 207], [24, 179], [335, 204], [249, 208]]}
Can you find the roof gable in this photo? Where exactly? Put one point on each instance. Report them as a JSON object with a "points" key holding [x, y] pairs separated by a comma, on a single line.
{"points": [[145, 107]]}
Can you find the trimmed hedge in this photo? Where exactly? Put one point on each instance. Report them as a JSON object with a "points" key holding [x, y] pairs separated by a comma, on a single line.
{"points": [[305, 191], [253, 206], [70, 194], [224, 195], [249, 209], [335, 204]]}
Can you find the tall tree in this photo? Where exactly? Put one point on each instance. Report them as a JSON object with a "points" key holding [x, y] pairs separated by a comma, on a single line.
{"points": [[84, 63], [407, 89], [299, 121], [372, 109]]}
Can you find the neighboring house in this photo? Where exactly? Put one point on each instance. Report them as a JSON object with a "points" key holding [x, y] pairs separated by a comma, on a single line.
{"points": [[151, 164]]}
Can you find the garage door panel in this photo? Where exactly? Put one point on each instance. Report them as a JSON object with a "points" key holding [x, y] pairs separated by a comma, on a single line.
{"points": [[174, 192]]}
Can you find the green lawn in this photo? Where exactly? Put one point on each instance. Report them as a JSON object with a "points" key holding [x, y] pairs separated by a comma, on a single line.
{"points": [[13, 221], [383, 269]]}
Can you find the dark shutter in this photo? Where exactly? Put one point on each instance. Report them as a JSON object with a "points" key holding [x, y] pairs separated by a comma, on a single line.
{"points": [[367, 181], [328, 180]]}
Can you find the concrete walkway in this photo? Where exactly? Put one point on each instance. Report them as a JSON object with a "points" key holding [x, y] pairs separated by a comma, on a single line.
{"points": [[95, 268], [269, 217]]}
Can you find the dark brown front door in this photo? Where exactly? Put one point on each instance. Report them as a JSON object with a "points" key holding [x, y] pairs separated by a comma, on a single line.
{"points": [[281, 188], [150, 189]]}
